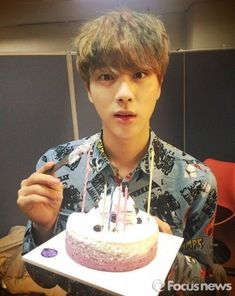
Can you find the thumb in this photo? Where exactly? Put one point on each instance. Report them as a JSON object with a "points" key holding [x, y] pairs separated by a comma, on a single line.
{"points": [[47, 166]]}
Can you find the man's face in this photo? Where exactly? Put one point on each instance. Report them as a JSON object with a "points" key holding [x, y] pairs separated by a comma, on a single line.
{"points": [[124, 101]]}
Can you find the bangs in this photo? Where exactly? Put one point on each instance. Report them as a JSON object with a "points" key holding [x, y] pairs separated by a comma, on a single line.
{"points": [[122, 60], [123, 41]]}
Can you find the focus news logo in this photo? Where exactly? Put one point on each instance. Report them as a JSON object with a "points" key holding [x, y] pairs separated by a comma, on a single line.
{"points": [[158, 286]]}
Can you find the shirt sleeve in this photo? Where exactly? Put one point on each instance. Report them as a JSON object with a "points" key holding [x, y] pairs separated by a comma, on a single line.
{"points": [[42, 277], [195, 257]]}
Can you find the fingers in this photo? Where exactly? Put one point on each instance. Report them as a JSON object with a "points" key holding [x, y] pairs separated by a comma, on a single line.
{"points": [[36, 194], [27, 201], [47, 166], [39, 177], [39, 190]]}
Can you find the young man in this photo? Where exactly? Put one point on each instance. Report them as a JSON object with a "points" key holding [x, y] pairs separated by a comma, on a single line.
{"points": [[122, 58]]}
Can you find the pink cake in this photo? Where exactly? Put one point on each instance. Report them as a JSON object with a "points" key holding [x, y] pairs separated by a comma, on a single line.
{"points": [[122, 241]]}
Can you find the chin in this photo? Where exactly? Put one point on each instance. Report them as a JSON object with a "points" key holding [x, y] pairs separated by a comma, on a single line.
{"points": [[130, 135], [127, 132]]}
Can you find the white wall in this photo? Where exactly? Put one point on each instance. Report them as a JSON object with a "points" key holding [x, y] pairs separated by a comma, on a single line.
{"points": [[203, 25], [37, 38], [174, 24], [58, 36], [210, 25]]}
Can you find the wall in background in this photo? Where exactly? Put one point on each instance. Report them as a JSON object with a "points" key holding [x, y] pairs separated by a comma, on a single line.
{"points": [[54, 37], [35, 115], [207, 24], [210, 25]]}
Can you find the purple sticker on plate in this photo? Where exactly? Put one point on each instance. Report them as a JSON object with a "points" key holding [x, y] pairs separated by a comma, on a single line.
{"points": [[49, 253]]}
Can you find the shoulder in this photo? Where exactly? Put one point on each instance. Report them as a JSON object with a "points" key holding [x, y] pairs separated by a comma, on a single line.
{"points": [[60, 151], [181, 164]]}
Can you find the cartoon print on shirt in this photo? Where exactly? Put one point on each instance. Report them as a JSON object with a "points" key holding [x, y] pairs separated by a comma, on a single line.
{"points": [[193, 224], [164, 159], [72, 198], [95, 187], [97, 164], [62, 150], [164, 206], [139, 176], [192, 244], [210, 204], [44, 158], [191, 192], [74, 164]]}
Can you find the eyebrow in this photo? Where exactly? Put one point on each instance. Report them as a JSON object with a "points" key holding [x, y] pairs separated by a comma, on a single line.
{"points": [[105, 70]]}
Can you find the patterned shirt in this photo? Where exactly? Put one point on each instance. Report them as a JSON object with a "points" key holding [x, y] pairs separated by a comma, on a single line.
{"points": [[183, 194]]}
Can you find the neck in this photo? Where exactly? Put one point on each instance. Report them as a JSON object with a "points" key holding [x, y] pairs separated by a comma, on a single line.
{"points": [[125, 154]]}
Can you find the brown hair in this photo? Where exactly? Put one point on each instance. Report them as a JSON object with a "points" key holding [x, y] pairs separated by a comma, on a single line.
{"points": [[123, 40]]}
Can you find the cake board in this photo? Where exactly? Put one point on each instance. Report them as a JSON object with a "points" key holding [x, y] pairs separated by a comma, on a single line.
{"points": [[139, 282]]}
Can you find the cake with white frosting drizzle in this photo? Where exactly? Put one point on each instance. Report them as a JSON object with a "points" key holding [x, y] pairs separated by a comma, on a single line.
{"points": [[115, 236]]}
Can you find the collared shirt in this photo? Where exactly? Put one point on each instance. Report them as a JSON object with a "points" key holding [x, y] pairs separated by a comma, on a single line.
{"points": [[183, 194]]}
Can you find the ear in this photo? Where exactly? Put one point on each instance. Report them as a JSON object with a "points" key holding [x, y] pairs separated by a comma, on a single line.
{"points": [[88, 92], [89, 96], [159, 92]]}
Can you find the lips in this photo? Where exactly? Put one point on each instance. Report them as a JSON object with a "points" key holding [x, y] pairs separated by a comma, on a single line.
{"points": [[125, 116], [124, 113]]}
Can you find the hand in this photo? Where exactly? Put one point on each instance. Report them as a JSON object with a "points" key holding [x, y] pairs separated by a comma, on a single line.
{"points": [[40, 198], [163, 226]]}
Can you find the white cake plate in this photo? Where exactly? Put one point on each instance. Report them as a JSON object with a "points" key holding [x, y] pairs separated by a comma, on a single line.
{"points": [[139, 282]]}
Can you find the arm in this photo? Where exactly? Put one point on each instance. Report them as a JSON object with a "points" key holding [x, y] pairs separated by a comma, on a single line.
{"points": [[40, 198], [41, 276], [195, 258]]}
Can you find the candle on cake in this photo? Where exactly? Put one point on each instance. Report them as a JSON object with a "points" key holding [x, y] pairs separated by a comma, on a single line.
{"points": [[150, 180], [125, 206], [104, 205], [110, 208], [118, 206], [86, 179]]}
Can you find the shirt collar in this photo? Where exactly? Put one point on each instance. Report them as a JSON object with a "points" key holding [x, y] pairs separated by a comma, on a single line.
{"points": [[101, 161]]}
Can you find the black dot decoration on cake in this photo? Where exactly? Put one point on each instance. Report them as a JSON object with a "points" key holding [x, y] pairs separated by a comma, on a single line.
{"points": [[139, 220], [97, 228], [113, 217]]}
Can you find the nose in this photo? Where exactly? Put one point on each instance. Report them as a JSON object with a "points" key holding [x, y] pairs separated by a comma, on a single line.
{"points": [[125, 91]]}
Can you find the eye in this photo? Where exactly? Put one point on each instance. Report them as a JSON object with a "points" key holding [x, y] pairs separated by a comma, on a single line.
{"points": [[105, 77], [139, 75]]}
